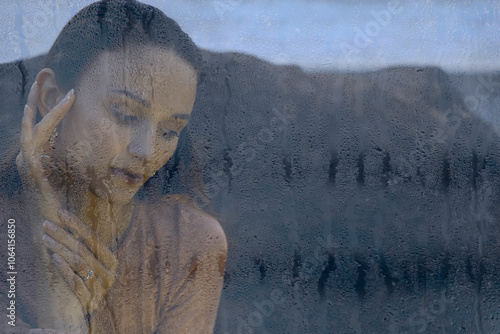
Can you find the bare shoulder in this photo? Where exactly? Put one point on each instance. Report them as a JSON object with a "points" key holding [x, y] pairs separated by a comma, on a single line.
{"points": [[196, 225]]}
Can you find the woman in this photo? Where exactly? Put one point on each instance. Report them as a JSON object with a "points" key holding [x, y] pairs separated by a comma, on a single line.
{"points": [[118, 87]]}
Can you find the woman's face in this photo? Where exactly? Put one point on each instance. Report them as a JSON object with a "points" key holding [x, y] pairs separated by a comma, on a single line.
{"points": [[129, 110]]}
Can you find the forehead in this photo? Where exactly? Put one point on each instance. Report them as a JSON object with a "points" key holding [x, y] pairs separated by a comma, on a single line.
{"points": [[156, 75]]}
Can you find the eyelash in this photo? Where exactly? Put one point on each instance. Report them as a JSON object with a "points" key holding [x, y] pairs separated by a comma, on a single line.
{"points": [[121, 117], [128, 119]]}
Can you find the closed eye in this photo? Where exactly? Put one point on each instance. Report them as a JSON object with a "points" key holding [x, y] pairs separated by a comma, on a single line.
{"points": [[118, 112]]}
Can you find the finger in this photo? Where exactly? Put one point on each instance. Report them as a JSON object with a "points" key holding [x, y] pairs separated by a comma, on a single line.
{"points": [[43, 130], [61, 242], [32, 159], [76, 262], [27, 131], [90, 238], [90, 291], [74, 282]]}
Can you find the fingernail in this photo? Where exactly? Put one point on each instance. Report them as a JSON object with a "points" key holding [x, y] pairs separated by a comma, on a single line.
{"points": [[34, 84], [48, 241], [25, 109], [56, 258], [68, 96], [50, 226], [62, 213]]}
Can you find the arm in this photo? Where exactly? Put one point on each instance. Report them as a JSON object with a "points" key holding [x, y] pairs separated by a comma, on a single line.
{"points": [[193, 299]]}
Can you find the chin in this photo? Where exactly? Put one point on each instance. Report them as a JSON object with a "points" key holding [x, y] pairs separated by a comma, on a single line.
{"points": [[114, 194]]}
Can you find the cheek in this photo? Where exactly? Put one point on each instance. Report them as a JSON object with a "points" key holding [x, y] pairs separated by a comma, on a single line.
{"points": [[102, 131], [78, 155], [93, 143], [107, 137]]}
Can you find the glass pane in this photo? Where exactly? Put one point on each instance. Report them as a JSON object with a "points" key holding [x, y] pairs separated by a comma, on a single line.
{"points": [[236, 166]]}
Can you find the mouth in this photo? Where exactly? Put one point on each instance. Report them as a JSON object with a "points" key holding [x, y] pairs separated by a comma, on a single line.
{"points": [[127, 175]]}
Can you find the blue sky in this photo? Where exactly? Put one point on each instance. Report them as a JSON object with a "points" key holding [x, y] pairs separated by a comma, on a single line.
{"points": [[457, 35]]}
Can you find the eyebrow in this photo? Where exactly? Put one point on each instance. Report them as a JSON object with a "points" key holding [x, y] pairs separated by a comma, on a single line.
{"points": [[145, 103], [133, 96]]}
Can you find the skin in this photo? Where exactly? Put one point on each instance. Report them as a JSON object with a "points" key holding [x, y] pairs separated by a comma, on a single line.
{"points": [[118, 127]]}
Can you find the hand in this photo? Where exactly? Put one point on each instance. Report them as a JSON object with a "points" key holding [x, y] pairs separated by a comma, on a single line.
{"points": [[85, 263], [33, 141]]}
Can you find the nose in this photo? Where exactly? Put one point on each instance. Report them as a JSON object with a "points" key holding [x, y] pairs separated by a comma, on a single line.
{"points": [[142, 144]]}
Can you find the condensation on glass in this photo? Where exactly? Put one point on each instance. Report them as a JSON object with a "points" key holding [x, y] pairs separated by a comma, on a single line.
{"points": [[346, 199]]}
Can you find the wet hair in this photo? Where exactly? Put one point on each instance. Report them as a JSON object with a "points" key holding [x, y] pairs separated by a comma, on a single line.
{"points": [[109, 25]]}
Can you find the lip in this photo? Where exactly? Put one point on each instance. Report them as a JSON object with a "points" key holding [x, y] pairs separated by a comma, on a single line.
{"points": [[128, 175]]}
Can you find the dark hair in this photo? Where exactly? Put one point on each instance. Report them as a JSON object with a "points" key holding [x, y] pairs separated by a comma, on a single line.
{"points": [[109, 25]]}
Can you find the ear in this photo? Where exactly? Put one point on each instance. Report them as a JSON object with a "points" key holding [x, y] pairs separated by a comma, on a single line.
{"points": [[50, 94]]}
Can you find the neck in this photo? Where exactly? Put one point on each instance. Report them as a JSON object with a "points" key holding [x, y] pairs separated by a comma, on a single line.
{"points": [[109, 220]]}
